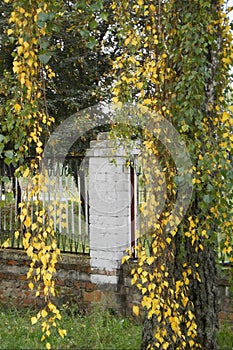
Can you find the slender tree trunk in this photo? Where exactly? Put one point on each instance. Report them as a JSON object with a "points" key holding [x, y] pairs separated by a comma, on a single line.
{"points": [[148, 330], [204, 296]]}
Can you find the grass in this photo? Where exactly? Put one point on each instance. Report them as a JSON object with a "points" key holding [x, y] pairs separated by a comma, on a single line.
{"points": [[96, 330], [225, 337]]}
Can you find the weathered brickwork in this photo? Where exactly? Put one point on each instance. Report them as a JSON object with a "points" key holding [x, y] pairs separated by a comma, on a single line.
{"points": [[74, 286], [225, 299], [72, 279], [73, 283]]}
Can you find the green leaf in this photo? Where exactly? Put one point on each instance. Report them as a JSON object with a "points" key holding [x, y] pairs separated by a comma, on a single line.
{"points": [[1, 137], [80, 5], [5, 179], [185, 127], [92, 43], [44, 17], [44, 58], [98, 5], [206, 198], [9, 154], [93, 24], [104, 16], [1, 147], [44, 44], [8, 161], [85, 33]]}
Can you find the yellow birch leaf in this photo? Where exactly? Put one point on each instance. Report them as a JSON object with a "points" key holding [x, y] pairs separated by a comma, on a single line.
{"points": [[144, 279], [26, 172], [44, 313], [125, 259], [58, 316], [115, 99], [62, 332], [51, 306], [31, 286], [30, 62], [27, 221], [24, 211], [139, 85], [147, 101], [17, 108], [48, 346], [190, 315], [191, 343], [39, 150], [34, 226], [166, 284], [33, 320], [225, 117], [20, 50], [135, 310], [185, 301], [5, 244], [150, 260], [10, 31], [127, 41], [16, 234], [22, 79]]}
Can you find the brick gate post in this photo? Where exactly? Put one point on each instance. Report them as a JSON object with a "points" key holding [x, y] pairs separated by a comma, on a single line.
{"points": [[109, 208]]}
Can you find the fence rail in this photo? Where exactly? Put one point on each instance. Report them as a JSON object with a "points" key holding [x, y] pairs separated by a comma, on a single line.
{"points": [[65, 201]]}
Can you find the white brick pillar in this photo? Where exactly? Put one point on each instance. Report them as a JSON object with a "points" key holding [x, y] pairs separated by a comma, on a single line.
{"points": [[109, 213]]}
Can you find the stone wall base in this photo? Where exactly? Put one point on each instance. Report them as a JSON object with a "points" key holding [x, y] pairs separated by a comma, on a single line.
{"points": [[74, 286]]}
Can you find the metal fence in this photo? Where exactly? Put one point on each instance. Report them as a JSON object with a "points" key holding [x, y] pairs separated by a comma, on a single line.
{"points": [[65, 201]]}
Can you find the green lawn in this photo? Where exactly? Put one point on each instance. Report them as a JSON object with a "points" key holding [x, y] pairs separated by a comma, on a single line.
{"points": [[225, 337], [97, 330]]}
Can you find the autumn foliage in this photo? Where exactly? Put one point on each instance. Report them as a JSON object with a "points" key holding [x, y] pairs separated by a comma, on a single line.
{"points": [[171, 60]]}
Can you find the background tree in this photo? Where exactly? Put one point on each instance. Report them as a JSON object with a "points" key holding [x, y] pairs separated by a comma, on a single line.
{"points": [[81, 61], [76, 55], [74, 51]]}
